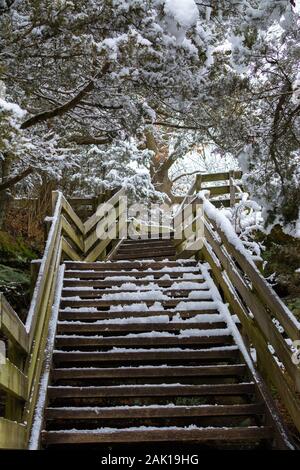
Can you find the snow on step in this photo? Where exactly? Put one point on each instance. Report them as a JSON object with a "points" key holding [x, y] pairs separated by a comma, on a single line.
{"points": [[160, 334], [130, 286], [160, 319], [143, 350]]}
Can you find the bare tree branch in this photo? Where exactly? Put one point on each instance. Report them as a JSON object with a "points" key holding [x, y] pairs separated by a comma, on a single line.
{"points": [[16, 179], [177, 126], [90, 140], [60, 110], [185, 174]]}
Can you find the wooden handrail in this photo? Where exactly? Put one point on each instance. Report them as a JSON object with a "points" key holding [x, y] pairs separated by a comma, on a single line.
{"points": [[11, 325], [112, 213], [255, 303], [223, 176], [94, 219], [20, 375], [244, 288]]}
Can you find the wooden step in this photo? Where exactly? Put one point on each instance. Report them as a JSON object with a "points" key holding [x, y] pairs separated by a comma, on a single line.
{"points": [[162, 249], [96, 413], [120, 341], [150, 371], [98, 274], [150, 390], [170, 303], [145, 257], [80, 315], [144, 254], [126, 265], [71, 327], [140, 356], [164, 283], [146, 249], [147, 241], [128, 435], [97, 293]]}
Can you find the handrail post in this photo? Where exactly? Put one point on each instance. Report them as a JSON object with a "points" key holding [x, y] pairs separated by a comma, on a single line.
{"points": [[13, 406], [232, 188], [54, 196], [198, 183], [34, 272]]}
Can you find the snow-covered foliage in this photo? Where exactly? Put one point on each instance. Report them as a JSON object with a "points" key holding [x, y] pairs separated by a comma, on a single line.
{"points": [[11, 116], [112, 166], [96, 76], [203, 159], [271, 157]]}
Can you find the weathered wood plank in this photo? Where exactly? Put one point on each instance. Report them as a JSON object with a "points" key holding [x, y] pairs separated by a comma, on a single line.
{"points": [[258, 310], [103, 284], [72, 215], [266, 293], [82, 341], [13, 381], [150, 371], [126, 266], [98, 293], [11, 325], [12, 435], [151, 390], [172, 302], [98, 250], [218, 190], [72, 327], [71, 233], [68, 250], [152, 412], [94, 219], [207, 177], [159, 435], [145, 356], [105, 315], [271, 368]]}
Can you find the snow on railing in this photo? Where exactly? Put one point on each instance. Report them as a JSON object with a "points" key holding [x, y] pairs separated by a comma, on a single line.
{"points": [[253, 300], [21, 380]]}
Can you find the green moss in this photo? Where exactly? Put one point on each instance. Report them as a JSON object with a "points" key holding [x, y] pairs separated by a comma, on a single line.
{"points": [[12, 275], [282, 256], [14, 250], [294, 306], [15, 259]]}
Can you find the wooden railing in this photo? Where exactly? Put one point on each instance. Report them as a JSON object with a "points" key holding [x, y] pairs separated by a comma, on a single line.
{"points": [[25, 344], [227, 185], [110, 216], [267, 324]]}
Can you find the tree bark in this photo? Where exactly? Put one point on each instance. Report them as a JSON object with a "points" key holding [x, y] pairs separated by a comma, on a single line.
{"points": [[159, 166], [8, 183]]}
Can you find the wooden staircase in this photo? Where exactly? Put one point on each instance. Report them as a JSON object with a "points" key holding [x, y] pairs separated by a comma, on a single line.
{"points": [[145, 353], [126, 344]]}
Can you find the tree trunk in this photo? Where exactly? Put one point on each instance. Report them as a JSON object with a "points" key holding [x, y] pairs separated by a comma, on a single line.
{"points": [[162, 182], [159, 167]]}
